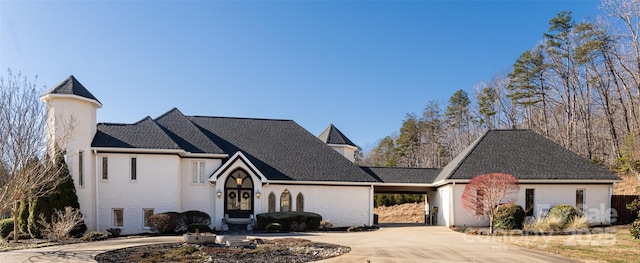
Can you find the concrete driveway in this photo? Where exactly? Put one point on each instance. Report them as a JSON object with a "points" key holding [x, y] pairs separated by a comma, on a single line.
{"points": [[394, 243]]}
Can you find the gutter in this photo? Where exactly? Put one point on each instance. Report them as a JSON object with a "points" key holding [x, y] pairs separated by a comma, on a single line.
{"points": [[179, 152]]}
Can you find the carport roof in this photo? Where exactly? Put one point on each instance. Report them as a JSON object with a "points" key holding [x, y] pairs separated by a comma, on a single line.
{"points": [[403, 175]]}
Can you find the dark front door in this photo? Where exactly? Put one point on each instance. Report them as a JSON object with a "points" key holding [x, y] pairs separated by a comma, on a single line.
{"points": [[238, 195]]}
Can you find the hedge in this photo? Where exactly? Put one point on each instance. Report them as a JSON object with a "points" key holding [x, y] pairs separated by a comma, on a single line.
{"points": [[509, 216], [6, 226], [565, 212], [296, 221]]}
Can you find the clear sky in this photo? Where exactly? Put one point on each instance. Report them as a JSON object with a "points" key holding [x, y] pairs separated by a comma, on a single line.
{"points": [[361, 65]]}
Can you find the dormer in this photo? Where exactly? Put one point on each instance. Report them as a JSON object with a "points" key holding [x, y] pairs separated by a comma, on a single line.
{"points": [[339, 142]]}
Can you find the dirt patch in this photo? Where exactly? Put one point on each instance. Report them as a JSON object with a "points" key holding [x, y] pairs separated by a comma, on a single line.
{"points": [[277, 250], [628, 186], [404, 213]]}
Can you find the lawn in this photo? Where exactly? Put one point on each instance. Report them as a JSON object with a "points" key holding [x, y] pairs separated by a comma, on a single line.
{"points": [[612, 244]]}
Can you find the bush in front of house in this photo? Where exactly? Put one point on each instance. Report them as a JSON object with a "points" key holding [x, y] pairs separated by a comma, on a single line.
{"points": [[309, 221], [273, 228], [167, 223], [201, 228], [509, 216], [94, 236], [565, 212], [196, 217], [6, 226]]}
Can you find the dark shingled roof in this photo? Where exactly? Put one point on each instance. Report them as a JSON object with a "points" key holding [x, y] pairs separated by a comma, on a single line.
{"points": [[186, 134], [71, 86], [403, 175], [281, 149], [331, 135], [145, 134], [525, 154]]}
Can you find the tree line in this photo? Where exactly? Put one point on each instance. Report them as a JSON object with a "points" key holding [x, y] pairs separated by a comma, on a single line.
{"points": [[579, 87]]}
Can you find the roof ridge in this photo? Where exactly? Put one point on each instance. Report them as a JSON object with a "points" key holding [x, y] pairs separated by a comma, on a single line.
{"points": [[396, 167], [239, 118], [159, 127], [475, 145]]}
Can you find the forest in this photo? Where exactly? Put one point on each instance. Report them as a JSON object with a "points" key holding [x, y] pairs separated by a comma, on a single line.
{"points": [[579, 87]]}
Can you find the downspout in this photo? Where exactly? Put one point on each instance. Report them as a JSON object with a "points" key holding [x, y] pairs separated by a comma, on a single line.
{"points": [[451, 205], [95, 156]]}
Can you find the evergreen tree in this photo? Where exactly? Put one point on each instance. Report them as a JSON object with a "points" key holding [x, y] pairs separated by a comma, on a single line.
{"points": [[63, 197]]}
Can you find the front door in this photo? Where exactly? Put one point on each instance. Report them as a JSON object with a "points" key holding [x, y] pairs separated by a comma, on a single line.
{"points": [[238, 195]]}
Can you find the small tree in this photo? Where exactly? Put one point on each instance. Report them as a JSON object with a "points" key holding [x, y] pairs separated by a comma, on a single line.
{"points": [[484, 193], [60, 223], [23, 129]]}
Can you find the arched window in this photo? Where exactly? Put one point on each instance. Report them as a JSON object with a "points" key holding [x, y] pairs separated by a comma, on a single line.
{"points": [[299, 203], [272, 202], [285, 201]]}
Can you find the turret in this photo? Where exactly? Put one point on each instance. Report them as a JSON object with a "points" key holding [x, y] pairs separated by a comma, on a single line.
{"points": [[71, 119], [339, 142]]}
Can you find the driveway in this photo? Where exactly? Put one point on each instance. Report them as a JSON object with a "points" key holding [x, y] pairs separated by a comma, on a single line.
{"points": [[394, 243]]}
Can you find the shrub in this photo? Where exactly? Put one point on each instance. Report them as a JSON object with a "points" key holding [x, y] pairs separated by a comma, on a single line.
{"points": [[635, 229], [114, 231], [167, 223], [202, 228], [273, 227], [578, 223], [509, 216], [310, 220], [78, 230], [6, 226], [326, 224], [94, 236], [544, 224], [196, 217], [61, 223], [565, 212]]}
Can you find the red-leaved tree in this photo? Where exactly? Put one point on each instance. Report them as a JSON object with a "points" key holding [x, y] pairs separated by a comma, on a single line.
{"points": [[484, 193]]}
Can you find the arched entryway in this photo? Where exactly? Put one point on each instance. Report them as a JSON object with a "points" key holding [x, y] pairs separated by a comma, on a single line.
{"points": [[238, 199]]}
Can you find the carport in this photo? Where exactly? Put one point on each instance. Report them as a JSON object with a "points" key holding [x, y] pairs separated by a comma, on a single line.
{"points": [[402, 180]]}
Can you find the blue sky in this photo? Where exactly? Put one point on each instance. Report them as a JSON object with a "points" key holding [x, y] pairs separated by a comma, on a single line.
{"points": [[361, 65]]}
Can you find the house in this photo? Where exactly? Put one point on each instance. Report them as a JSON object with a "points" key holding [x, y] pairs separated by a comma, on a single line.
{"points": [[235, 168]]}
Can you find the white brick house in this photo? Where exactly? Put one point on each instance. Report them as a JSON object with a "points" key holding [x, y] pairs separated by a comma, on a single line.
{"points": [[236, 168]]}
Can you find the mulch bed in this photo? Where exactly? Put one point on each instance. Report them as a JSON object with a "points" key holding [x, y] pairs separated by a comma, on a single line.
{"points": [[292, 250]]}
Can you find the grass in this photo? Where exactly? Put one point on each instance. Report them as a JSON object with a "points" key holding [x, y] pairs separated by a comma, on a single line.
{"points": [[613, 244]]}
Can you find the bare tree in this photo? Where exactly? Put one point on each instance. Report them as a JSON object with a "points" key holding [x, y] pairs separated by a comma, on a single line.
{"points": [[484, 193], [27, 170]]}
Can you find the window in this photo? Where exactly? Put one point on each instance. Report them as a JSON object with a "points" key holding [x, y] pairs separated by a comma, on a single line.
{"points": [[299, 203], [272, 202], [480, 208], [81, 169], [134, 168], [146, 213], [105, 168], [198, 173], [580, 199], [528, 203], [285, 201], [118, 217]]}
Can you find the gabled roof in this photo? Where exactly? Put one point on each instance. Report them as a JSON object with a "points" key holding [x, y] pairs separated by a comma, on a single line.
{"points": [[144, 134], [186, 134], [403, 175], [281, 149], [331, 135], [71, 86], [523, 153]]}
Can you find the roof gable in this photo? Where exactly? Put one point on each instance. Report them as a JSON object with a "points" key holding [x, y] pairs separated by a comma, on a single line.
{"points": [[281, 149], [144, 134], [525, 154], [186, 134], [331, 135], [71, 86]]}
